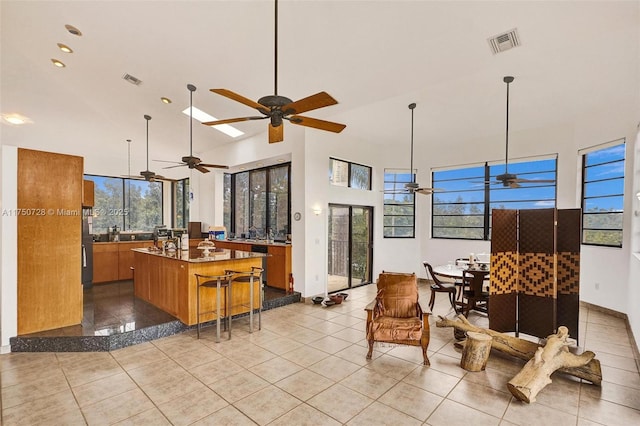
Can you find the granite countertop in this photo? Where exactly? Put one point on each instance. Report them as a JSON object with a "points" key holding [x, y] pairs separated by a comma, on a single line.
{"points": [[124, 242], [257, 242], [196, 256]]}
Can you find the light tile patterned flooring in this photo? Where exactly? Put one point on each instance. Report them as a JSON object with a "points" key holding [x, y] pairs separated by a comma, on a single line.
{"points": [[307, 366]]}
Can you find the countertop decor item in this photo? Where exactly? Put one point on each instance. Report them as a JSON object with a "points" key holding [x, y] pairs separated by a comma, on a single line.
{"points": [[206, 246]]}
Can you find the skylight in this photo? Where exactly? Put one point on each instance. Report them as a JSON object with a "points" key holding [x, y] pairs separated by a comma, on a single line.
{"points": [[202, 116]]}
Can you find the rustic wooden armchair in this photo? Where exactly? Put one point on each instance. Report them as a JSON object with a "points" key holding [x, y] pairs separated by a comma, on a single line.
{"points": [[396, 315]]}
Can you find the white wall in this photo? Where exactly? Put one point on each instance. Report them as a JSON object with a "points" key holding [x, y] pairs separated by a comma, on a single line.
{"points": [[8, 247], [633, 281]]}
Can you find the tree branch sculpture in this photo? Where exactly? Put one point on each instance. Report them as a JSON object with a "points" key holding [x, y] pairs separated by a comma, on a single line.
{"points": [[524, 349]]}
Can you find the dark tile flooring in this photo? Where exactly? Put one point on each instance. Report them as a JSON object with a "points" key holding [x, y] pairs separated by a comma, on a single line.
{"points": [[113, 317]]}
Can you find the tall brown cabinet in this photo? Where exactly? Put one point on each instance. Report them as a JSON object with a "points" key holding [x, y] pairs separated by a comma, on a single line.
{"points": [[49, 240]]}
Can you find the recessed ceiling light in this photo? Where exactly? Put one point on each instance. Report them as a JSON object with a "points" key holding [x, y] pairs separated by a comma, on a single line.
{"points": [[280, 160], [202, 117], [259, 164], [65, 48], [165, 100], [58, 63], [16, 119], [73, 30]]}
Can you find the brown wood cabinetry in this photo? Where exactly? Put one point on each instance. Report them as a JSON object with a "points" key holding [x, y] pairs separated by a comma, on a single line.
{"points": [[49, 225], [88, 193], [170, 284], [113, 261], [105, 262], [278, 262], [125, 258], [279, 266]]}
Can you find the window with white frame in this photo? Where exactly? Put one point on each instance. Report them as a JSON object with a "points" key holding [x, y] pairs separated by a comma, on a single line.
{"points": [[603, 194]]}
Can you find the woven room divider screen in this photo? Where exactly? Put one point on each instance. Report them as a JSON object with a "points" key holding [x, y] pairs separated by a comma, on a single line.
{"points": [[535, 271]]}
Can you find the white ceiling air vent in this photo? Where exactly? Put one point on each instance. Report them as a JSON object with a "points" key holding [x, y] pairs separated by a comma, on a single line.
{"points": [[131, 79], [504, 41]]}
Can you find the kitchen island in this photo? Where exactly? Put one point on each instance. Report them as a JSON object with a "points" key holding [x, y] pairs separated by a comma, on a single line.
{"points": [[278, 264], [167, 280]]}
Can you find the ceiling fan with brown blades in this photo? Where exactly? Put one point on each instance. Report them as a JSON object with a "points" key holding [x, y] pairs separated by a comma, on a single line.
{"points": [[147, 174], [189, 160], [413, 186], [278, 108], [506, 179]]}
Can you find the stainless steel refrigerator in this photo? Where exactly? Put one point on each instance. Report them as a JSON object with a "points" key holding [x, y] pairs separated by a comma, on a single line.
{"points": [[87, 248]]}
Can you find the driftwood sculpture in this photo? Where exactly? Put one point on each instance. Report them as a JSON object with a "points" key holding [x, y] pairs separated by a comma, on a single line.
{"points": [[524, 349], [534, 376]]}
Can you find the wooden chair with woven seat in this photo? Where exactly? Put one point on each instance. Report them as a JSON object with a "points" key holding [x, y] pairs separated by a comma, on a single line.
{"points": [[396, 315], [440, 287]]}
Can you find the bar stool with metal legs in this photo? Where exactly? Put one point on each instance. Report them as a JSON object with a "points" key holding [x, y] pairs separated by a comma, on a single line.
{"points": [[220, 283], [249, 277]]}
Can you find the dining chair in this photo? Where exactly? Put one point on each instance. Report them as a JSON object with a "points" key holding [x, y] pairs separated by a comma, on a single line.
{"points": [[459, 283], [440, 287], [475, 297]]}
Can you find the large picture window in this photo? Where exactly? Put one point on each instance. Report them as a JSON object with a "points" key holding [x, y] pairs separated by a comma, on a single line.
{"points": [[399, 205], [463, 208], [603, 194], [130, 204], [257, 201]]}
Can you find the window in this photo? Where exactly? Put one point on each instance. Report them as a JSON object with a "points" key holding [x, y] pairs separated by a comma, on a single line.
{"points": [[130, 204], [226, 201], [399, 205], [345, 173], [181, 203], [258, 200], [603, 195], [463, 209]]}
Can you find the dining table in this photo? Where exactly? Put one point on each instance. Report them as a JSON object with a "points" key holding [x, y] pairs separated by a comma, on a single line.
{"points": [[476, 279], [456, 270]]}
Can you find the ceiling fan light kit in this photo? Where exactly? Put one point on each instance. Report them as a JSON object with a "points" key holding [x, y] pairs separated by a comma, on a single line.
{"points": [[278, 108]]}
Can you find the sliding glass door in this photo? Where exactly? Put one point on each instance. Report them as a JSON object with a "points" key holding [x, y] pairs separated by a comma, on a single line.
{"points": [[350, 246]]}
